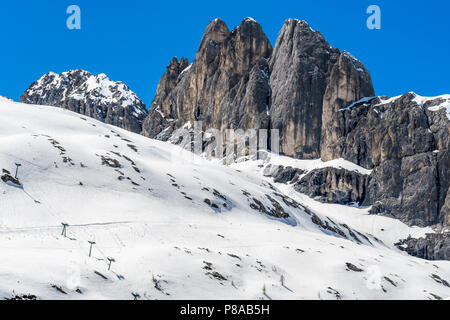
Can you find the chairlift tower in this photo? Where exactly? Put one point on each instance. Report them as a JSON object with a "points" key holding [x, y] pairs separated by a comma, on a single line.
{"points": [[111, 260], [136, 295], [90, 248], [17, 169], [64, 229]]}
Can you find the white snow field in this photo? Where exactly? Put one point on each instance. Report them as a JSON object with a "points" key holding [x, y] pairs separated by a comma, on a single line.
{"points": [[180, 227]]}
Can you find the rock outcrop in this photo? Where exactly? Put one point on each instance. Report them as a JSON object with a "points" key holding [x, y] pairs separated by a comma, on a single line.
{"points": [[349, 82], [94, 96], [309, 81], [379, 129], [334, 185], [281, 174], [300, 66], [324, 105], [225, 87], [237, 82], [405, 141], [434, 246]]}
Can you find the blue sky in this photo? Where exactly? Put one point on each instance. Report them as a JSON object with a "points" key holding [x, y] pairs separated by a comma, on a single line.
{"points": [[133, 41]]}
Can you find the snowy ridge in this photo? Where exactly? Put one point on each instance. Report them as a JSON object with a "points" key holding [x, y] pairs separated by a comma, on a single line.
{"points": [[2, 98], [384, 100], [309, 165], [107, 91], [444, 103], [249, 19], [82, 85], [364, 101], [177, 225], [349, 55], [185, 70]]}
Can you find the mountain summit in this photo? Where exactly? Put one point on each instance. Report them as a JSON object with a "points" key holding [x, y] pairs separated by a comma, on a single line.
{"points": [[226, 86], [94, 96]]}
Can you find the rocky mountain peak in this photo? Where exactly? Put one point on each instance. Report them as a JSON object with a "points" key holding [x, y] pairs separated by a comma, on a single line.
{"points": [[215, 88], [249, 25], [296, 23], [300, 67], [96, 96], [216, 32]]}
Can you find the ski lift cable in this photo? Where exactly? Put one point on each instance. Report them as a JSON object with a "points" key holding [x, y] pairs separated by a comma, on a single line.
{"points": [[55, 215]]}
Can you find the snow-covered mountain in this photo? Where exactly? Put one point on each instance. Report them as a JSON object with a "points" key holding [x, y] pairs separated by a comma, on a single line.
{"points": [[179, 226], [99, 97], [323, 104]]}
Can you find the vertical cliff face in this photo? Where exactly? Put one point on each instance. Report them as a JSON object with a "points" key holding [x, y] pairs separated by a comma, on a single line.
{"points": [[157, 123], [300, 67], [226, 86], [236, 81], [349, 81], [405, 140]]}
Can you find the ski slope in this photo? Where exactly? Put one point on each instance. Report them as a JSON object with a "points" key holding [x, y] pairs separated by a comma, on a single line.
{"points": [[179, 226]]}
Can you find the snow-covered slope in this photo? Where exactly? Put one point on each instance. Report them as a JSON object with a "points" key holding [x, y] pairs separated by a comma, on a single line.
{"points": [[179, 226]]}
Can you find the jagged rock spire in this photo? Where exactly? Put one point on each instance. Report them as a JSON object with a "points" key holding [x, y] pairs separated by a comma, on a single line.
{"points": [[219, 87]]}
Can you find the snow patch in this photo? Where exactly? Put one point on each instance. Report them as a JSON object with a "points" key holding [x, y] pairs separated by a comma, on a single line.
{"points": [[363, 100], [444, 105]]}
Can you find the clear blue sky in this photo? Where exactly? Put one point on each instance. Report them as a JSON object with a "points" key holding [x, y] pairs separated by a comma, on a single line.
{"points": [[133, 41]]}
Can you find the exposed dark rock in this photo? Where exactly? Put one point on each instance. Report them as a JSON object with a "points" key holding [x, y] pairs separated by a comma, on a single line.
{"points": [[236, 82], [326, 225], [438, 279], [349, 82], [334, 292], [300, 66], [23, 297], [352, 267], [373, 132], [110, 162], [277, 211], [94, 96], [59, 289], [334, 185], [406, 189], [282, 174], [217, 275], [435, 246], [405, 141]]}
